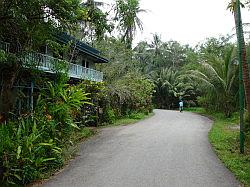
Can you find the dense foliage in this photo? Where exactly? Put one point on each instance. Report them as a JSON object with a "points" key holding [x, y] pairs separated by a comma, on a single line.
{"points": [[33, 144], [164, 63], [127, 90], [152, 74], [218, 78], [206, 75]]}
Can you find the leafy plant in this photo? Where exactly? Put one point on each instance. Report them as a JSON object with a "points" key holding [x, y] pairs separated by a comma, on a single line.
{"points": [[218, 79], [25, 152], [33, 144], [61, 103]]}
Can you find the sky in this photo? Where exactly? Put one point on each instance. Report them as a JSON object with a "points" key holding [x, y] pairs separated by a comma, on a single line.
{"points": [[186, 21]]}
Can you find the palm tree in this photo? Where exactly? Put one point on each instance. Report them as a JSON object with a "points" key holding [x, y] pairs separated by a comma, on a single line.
{"points": [[156, 44], [143, 54], [127, 15], [94, 20], [218, 78], [170, 86]]}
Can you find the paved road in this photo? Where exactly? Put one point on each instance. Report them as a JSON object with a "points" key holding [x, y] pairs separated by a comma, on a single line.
{"points": [[171, 149]]}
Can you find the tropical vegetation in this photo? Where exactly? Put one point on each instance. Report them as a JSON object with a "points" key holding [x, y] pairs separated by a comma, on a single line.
{"points": [[151, 74]]}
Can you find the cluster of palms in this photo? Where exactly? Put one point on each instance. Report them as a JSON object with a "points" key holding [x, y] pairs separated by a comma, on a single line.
{"points": [[163, 63], [209, 73], [171, 86]]}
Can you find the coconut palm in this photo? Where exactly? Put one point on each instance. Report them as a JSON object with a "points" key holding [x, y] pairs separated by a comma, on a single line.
{"points": [[218, 79], [156, 44], [127, 15], [143, 54], [170, 86], [95, 22]]}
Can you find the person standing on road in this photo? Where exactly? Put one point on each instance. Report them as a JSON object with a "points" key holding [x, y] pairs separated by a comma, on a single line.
{"points": [[181, 105]]}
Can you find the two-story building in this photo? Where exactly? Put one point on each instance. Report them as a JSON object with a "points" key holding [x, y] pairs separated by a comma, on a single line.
{"points": [[80, 66]]}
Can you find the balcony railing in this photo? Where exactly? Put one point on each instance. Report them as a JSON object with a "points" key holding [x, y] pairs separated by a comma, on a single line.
{"points": [[51, 64], [5, 46]]}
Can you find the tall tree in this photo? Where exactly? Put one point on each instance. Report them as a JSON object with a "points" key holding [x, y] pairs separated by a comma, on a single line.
{"points": [[127, 15], [94, 22], [234, 6]]}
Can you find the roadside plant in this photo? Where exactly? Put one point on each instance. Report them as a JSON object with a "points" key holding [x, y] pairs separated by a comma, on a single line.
{"points": [[33, 144], [218, 80], [25, 152]]}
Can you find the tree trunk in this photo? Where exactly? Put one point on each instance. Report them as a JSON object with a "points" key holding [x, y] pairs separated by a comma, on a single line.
{"points": [[245, 70], [246, 79]]}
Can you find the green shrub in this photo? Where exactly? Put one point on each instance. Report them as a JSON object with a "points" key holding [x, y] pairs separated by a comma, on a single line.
{"points": [[109, 115], [247, 121], [32, 145], [214, 104], [137, 116], [130, 94], [25, 152]]}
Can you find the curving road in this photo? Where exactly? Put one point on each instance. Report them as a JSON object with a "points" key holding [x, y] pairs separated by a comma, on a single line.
{"points": [[170, 149]]}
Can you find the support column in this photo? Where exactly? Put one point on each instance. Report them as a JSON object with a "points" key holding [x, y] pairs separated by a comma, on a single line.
{"points": [[31, 96]]}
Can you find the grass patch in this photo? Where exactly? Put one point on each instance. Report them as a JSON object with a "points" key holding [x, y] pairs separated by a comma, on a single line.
{"points": [[129, 119], [224, 137]]}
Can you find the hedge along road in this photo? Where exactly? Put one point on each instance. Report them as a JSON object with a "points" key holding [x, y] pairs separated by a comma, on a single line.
{"points": [[169, 149]]}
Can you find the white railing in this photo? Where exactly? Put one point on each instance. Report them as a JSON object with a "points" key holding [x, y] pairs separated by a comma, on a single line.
{"points": [[5, 46], [85, 73], [51, 64]]}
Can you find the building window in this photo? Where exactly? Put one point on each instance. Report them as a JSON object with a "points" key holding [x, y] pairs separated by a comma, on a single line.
{"points": [[85, 63]]}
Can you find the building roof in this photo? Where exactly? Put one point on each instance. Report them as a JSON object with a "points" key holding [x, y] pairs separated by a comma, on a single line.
{"points": [[84, 48]]}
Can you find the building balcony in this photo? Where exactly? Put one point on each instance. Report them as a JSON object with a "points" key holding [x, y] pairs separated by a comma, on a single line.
{"points": [[51, 65]]}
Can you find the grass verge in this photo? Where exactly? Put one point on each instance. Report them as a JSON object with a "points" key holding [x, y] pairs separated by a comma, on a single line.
{"points": [[224, 137]]}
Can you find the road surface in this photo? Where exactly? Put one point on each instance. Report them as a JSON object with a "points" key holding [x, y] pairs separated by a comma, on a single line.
{"points": [[170, 149]]}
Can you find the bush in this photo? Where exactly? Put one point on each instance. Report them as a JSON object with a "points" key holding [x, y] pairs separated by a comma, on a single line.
{"points": [[26, 152], [247, 121], [32, 145], [132, 93], [136, 116], [215, 104], [109, 116]]}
